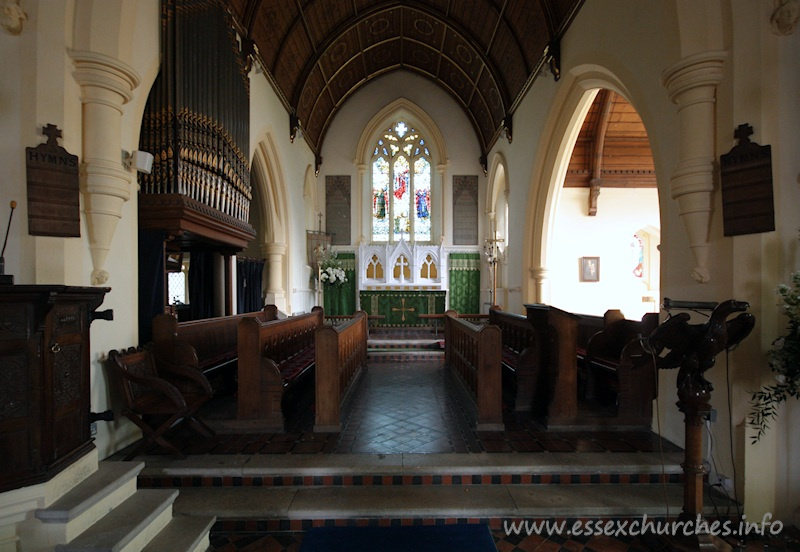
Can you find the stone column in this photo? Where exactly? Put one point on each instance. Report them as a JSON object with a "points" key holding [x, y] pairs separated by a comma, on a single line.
{"points": [[541, 275], [275, 254], [692, 85], [106, 85]]}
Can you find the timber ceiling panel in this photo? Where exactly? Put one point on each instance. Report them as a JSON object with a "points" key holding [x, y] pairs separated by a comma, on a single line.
{"points": [[612, 148], [484, 53]]}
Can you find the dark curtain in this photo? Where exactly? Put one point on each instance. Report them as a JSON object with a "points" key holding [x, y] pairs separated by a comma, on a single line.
{"points": [[201, 285], [248, 285], [151, 280]]}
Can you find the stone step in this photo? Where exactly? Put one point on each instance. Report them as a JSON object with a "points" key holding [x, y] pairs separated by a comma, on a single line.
{"points": [[298, 508], [412, 470], [183, 534], [129, 527], [91, 499], [399, 355]]}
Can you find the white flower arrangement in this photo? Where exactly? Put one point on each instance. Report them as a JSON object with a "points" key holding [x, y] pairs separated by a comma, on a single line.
{"points": [[331, 271], [333, 275]]}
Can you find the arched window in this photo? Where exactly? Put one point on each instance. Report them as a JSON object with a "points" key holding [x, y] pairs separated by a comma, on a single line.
{"points": [[401, 186]]}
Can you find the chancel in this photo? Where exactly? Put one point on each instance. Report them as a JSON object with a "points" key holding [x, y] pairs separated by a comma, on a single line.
{"points": [[385, 293]]}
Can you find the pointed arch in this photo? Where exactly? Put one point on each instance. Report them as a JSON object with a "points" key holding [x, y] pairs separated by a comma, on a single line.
{"points": [[564, 124], [310, 199], [401, 108], [269, 196], [271, 186], [497, 213], [498, 181]]}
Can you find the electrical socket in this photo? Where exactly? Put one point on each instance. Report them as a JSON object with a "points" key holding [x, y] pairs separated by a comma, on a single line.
{"points": [[726, 483], [93, 428], [712, 415]]}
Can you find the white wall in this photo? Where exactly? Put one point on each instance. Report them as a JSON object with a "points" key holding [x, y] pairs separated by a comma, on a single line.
{"points": [[608, 235]]}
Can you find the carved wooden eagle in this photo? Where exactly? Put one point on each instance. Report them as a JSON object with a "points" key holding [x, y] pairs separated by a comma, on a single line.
{"points": [[693, 347]]}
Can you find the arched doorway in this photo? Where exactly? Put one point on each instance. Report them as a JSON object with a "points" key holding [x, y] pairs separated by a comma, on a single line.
{"points": [[606, 227]]}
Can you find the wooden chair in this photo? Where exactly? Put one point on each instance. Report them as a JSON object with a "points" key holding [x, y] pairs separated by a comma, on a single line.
{"points": [[159, 396]]}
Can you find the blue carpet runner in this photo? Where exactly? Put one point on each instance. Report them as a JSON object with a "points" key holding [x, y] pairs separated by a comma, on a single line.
{"points": [[417, 538]]}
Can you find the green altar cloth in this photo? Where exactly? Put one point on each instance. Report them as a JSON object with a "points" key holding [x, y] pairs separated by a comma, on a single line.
{"points": [[402, 307]]}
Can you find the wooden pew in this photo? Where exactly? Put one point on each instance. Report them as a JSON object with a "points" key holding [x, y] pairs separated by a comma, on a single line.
{"points": [[475, 355], [616, 361], [272, 356], [341, 352], [521, 351], [557, 367], [209, 344]]}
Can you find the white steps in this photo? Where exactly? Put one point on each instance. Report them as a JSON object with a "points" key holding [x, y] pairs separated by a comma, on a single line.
{"points": [[105, 512]]}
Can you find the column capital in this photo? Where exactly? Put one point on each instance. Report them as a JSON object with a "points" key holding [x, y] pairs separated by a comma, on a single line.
{"points": [[272, 249], [94, 70], [698, 72]]}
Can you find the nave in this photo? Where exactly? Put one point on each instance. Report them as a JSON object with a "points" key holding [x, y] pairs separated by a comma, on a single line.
{"points": [[407, 455]]}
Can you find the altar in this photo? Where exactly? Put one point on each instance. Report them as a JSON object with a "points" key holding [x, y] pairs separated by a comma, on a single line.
{"points": [[401, 281], [402, 307]]}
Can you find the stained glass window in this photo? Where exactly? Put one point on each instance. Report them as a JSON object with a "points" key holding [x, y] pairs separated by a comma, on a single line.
{"points": [[401, 210]]}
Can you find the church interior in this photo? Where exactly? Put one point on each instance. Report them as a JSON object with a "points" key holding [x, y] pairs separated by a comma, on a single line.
{"points": [[277, 269]]}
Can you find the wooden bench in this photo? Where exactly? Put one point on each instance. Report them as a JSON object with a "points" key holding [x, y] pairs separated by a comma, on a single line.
{"points": [[616, 364], [520, 355], [273, 355], [556, 368], [341, 352], [474, 354], [210, 344]]}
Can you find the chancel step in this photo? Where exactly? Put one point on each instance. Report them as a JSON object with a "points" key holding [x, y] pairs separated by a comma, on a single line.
{"points": [[270, 493]]}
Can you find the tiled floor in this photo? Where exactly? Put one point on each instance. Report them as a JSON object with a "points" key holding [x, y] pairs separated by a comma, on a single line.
{"points": [[410, 407]]}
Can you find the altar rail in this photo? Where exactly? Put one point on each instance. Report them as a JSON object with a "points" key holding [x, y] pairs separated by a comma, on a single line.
{"points": [[272, 355], [475, 355], [341, 352]]}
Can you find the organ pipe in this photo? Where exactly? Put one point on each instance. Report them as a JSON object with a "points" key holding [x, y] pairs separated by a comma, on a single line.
{"points": [[196, 121]]}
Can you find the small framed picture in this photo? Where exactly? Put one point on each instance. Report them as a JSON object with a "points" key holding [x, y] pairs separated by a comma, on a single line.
{"points": [[590, 269]]}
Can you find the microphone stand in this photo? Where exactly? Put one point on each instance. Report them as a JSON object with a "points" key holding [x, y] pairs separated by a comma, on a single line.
{"points": [[6, 279]]}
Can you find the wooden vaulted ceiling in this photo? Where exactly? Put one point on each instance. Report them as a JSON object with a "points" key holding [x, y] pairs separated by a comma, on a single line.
{"points": [[484, 53], [612, 149]]}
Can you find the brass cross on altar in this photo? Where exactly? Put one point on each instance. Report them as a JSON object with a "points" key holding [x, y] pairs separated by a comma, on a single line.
{"points": [[403, 309]]}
